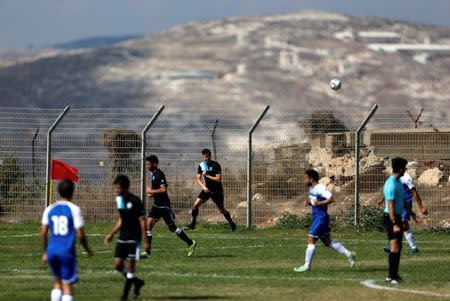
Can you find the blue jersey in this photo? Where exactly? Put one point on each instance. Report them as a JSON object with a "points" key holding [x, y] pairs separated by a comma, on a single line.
{"points": [[319, 193], [393, 191], [408, 184], [63, 219]]}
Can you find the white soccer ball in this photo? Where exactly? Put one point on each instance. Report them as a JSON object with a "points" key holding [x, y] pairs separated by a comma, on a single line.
{"points": [[335, 84]]}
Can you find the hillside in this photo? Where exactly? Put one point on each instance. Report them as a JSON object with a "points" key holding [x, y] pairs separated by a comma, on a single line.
{"points": [[285, 60]]}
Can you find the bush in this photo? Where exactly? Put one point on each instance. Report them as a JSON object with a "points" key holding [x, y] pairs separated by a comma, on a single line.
{"points": [[370, 218], [293, 221]]}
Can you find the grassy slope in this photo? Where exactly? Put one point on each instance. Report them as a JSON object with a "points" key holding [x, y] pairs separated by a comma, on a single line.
{"points": [[253, 264]]}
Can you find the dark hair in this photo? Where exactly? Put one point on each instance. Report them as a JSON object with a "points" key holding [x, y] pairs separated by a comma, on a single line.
{"points": [[152, 159], [66, 188], [398, 163], [206, 151], [312, 174], [123, 181]]}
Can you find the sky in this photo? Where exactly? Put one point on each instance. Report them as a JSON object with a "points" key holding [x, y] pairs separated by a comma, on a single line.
{"points": [[40, 23]]}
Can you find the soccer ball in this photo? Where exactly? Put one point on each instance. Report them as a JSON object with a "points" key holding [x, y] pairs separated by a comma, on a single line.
{"points": [[335, 84]]}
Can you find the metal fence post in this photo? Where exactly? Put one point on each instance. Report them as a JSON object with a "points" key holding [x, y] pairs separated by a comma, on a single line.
{"points": [[143, 147], [357, 160], [49, 155], [249, 165]]}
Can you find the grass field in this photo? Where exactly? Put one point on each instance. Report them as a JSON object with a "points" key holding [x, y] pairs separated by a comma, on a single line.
{"points": [[246, 265]]}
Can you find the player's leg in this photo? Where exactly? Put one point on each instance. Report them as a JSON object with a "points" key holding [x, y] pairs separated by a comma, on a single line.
{"points": [[55, 268], [309, 254], [68, 291], [338, 247], [169, 219], [410, 237], [395, 245], [151, 221], [201, 199], [218, 199], [56, 293], [133, 256]]}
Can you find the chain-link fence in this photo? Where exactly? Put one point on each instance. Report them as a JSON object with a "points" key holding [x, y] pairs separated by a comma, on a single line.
{"points": [[104, 142]]}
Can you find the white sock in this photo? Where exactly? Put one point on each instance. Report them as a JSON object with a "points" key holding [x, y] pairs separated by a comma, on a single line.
{"points": [[310, 250], [67, 298], [340, 248], [410, 238], [56, 294], [130, 275]]}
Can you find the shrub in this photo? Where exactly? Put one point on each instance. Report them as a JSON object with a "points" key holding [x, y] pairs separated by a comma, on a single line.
{"points": [[294, 221]]}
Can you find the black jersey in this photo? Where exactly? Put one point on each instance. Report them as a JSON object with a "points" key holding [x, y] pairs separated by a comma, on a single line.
{"points": [[159, 179], [131, 211], [212, 169]]}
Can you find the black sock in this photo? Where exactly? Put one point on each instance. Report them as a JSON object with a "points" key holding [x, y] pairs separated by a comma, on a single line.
{"points": [[149, 238], [227, 216], [392, 260], [126, 289], [194, 213], [181, 234]]}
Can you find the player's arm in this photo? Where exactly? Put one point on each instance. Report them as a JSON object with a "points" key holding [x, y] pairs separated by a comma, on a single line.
{"points": [[326, 202], [114, 231], [418, 199], [83, 240], [200, 182], [380, 202], [217, 177], [162, 189], [44, 232]]}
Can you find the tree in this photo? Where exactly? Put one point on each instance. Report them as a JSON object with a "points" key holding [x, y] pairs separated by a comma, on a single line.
{"points": [[121, 144], [321, 122]]}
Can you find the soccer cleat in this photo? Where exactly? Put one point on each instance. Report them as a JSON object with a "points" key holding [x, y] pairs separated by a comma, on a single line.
{"points": [[233, 226], [137, 288], [387, 250], [145, 254], [414, 250], [302, 269], [352, 259], [191, 248], [191, 226], [393, 281]]}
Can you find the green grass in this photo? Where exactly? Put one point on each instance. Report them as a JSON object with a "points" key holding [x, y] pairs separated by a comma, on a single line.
{"points": [[247, 265]]}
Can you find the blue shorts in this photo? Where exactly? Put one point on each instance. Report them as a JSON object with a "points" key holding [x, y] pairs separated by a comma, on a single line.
{"points": [[405, 215], [320, 228], [64, 267]]}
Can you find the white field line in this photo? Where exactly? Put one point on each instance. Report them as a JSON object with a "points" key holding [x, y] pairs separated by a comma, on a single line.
{"points": [[371, 284], [235, 237], [182, 275]]}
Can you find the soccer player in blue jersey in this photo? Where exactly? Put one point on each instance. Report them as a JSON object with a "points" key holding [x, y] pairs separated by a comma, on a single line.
{"points": [[394, 206], [131, 225], [319, 199], [64, 220]]}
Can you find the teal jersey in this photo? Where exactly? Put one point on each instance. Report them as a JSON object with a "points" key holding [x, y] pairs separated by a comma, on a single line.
{"points": [[393, 191]]}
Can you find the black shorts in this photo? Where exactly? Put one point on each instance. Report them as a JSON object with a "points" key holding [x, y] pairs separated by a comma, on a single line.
{"points": [[127, 250], [217, 197], [389, 227], [165, 213]]}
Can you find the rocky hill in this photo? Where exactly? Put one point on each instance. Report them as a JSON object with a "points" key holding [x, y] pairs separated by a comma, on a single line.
{"points": [[284, 60]]}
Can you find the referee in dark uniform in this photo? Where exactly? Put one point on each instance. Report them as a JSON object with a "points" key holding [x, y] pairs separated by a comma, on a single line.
{"points": [[212, 188], [161, 207], [131, 224]]}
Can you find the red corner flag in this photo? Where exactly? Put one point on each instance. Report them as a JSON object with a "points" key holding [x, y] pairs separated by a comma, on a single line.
{"points": [[61, 171]]}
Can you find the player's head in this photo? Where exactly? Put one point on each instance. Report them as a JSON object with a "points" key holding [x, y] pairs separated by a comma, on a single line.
{"points": [[399, 166], [206, 153], [66, 189], [121, 184], [311, 177], [151, 162]]}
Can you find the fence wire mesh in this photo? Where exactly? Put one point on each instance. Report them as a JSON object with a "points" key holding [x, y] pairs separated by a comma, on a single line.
{"points": [[104, 142]]}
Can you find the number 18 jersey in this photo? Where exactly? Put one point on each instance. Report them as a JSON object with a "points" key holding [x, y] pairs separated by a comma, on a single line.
{"points": [[63, 219]]}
